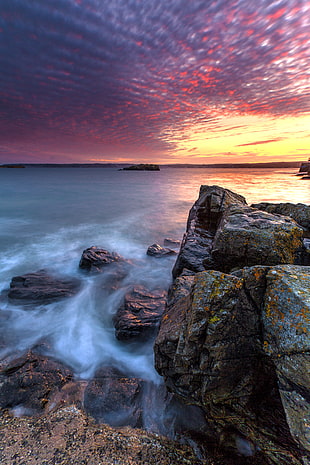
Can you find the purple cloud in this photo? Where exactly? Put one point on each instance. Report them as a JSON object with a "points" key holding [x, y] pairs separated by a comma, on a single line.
{"points": [[133, 73]]}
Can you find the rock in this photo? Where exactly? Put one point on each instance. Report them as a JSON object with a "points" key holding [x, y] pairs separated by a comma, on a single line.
{"points": [[226, 344], [140, 313], [96, 258], [69, 436], [304, 167], [286, 320], [247, 237], [204, 218], [29, 383], [142, 167], [299, 212], [158, 251], [114, 398], [40, 287], [172, 242]]}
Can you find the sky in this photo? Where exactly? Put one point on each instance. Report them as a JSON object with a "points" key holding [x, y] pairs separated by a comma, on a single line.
{"points": [[160, 81]]}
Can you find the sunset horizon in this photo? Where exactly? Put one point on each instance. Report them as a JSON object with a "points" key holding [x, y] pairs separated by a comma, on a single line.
{"points": [[88, 81]]}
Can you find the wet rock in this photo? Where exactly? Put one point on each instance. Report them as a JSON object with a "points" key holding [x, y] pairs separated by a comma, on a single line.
{"points": [[203, 221], [227, 345], [172, 242], [95, 259], [114, 398], [247, 237], [140, 313], [299, 212], [158, 251], [29, 382], [40, 287]]}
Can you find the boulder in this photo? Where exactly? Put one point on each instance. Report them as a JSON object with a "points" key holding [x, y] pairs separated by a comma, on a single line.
{"points": [[299, 212], [224, 233], [140, 313], [247, 236], [227, 344], [158, 251], [41, 287], [172, 242], [114, 398], [29, 383], [286, 327], [204, 218], [96, 258]]}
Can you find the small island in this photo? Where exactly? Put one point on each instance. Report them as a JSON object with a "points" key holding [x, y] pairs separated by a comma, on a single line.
{"points": [[142, 167]]}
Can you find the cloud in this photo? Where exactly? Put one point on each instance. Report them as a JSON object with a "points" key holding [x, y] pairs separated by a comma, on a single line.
{"points": [[133, 74], [261, 142]]}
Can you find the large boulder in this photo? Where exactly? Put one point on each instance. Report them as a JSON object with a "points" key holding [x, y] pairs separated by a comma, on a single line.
{"points": [[204, 218], [286, 327], [41, 287], [228, 345], [247, 236], [140, 313], [224, 233], [95, 259], [299, 212]]}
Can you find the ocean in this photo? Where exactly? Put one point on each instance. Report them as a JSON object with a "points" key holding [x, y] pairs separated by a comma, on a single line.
{"points": [[50, 215]]}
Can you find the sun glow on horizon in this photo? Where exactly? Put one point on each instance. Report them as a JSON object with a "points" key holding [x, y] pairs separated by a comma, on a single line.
{"points": [[248, 138]]}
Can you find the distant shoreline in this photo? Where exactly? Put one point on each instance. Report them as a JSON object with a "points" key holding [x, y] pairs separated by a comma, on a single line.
{"points": [[284, 164]]}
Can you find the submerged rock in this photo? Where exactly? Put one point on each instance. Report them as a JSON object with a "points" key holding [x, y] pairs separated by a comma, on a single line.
{"points": [[237, 345], [172, 242], [96, 258], [40, 287], [114, 398], [140, 313], [158, 251]]}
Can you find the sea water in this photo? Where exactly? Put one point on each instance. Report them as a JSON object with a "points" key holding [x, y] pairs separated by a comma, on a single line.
{"points": [[48, 216]]}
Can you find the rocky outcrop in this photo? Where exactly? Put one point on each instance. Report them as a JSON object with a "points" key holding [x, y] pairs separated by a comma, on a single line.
{"points": [[224, 233], [158, 251], [229, 341], [69, 436], [40, 287], [95, 259], [140, 313], [299, 212]]}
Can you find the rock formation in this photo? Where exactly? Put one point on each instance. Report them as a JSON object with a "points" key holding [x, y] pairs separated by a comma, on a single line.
{"points": [[41, 287], [234, 339], [95, 258], [158, 251], [140, 313], [224, 233]]}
